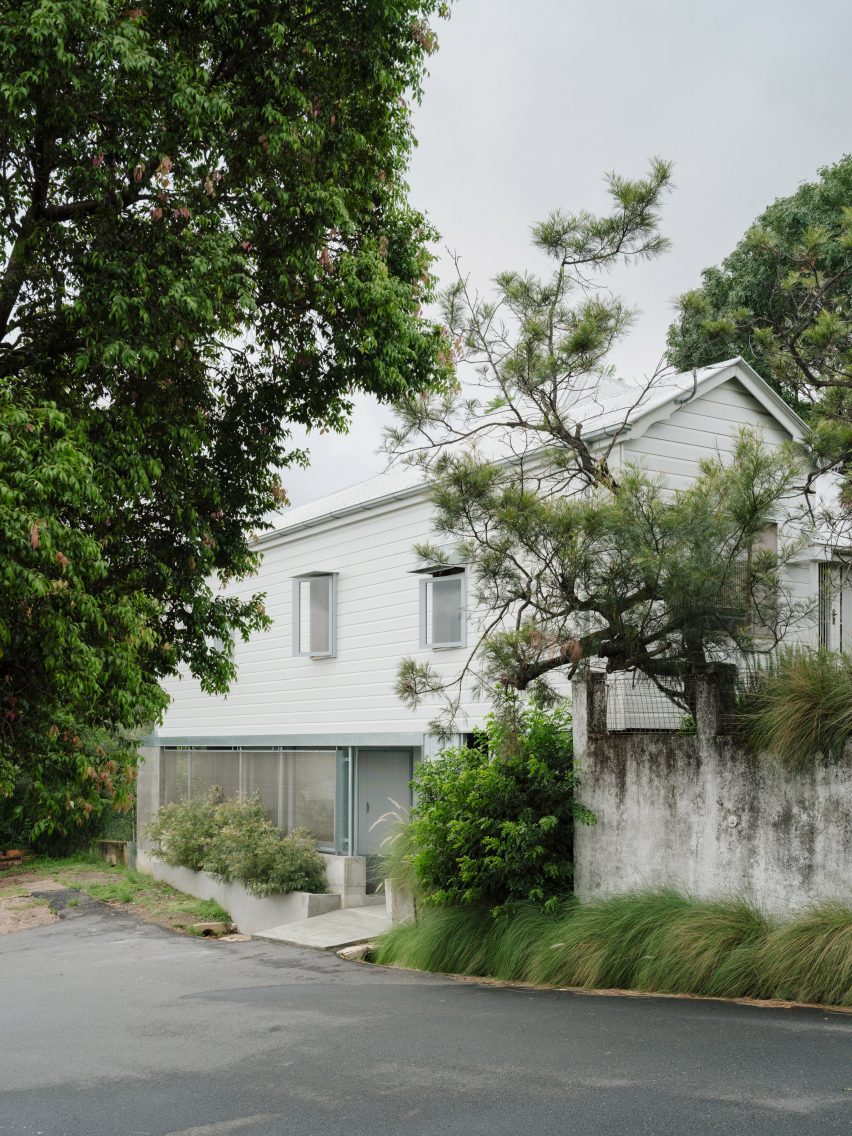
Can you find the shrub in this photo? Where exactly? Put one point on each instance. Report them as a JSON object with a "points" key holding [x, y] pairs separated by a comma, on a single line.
{"points": [[234, 841], [799, 706], [494, 825], [182, 832], [656, 941]]}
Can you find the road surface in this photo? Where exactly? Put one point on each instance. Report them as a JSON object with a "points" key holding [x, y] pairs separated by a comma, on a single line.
{"points": [[110, 1027]]}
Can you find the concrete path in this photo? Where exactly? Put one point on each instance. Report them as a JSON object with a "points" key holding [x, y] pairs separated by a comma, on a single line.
{"points": [[332, 931], [111, 1027]]}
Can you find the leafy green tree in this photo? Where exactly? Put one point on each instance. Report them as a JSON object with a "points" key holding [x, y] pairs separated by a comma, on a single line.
{"points": [[206, 239], [783, 300], [74, 643], [572, 557]]}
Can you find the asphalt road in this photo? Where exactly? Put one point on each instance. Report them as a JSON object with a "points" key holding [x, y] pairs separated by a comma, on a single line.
{"points": [[113, 1028]]}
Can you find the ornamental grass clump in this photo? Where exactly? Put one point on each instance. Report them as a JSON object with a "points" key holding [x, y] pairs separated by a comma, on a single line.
{"points": [[799, 706], [810, 959], [234, 841], [654, 941]]}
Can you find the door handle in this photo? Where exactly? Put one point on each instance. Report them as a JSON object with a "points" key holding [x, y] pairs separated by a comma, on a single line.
{"points": [[366, 806]]}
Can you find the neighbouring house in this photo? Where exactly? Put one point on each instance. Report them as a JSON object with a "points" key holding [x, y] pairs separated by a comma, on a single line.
{"points": [[313, 725]]}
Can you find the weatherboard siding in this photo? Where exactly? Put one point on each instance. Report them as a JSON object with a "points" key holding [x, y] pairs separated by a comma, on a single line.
{"points": [[707, 427], [378, 624], [372, 551]]}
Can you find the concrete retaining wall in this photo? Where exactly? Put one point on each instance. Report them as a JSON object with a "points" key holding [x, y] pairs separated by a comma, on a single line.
{"points": [[702, 814], [249, 912]]}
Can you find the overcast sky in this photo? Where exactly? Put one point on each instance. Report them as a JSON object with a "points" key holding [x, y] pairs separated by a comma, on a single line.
{"points": [[527, 104]]}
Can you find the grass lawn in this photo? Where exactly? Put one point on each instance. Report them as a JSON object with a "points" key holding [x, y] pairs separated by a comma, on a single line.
{"points": [[137, 894]]}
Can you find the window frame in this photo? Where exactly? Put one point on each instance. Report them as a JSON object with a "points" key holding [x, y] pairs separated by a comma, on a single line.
{"points": [[834, 585], [308, 577], [738, 594], [456, 572]]}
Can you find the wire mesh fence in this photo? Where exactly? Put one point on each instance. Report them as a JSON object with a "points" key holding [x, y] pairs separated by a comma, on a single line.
{"points": [[115, 825], [636, 704]]}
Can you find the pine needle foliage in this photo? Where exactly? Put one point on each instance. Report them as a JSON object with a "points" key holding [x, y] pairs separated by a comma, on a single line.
{"points": [[574, 554], [653, 941]]}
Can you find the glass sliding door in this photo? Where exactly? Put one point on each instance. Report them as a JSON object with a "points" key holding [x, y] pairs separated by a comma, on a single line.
{"points": [[298, 788], [314, 793]]}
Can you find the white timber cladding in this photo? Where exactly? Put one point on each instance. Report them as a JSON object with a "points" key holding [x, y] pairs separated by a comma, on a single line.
{"points": [[371, 554], [377, 597], [707, 426]]}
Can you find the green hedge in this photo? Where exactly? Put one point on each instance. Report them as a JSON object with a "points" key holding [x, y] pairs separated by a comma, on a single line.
{"points": [[657, 941], [494, 825], [234, 841]]}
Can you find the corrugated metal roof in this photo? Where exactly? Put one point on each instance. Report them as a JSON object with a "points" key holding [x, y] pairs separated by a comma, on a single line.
{"points": [[400, 481], [608, 405]]}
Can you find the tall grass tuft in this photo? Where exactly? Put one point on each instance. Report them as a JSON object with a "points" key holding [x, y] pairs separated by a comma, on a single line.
{"points": [[810, 960], [398, 850], [454, 940], [650, 941], [602, 943], [799, 706], [704, 948]]}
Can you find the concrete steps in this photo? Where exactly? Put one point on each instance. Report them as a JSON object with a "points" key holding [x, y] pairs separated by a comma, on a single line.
{"points": [[332, 931]]}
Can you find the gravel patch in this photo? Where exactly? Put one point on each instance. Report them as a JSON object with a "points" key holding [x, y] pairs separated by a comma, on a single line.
{"points": [[20, 913]]}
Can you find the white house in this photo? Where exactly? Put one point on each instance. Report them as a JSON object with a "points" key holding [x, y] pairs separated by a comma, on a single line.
{"points": [[312, 723]]}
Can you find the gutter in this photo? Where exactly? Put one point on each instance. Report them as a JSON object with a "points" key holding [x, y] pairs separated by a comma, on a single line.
{"points": [[345, 511], [400, 495], [623, 428]]}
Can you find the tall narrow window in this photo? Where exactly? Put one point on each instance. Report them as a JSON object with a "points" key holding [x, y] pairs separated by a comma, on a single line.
{"points": [[834, 607], [442, 609], [827, 613], [314, 630]]}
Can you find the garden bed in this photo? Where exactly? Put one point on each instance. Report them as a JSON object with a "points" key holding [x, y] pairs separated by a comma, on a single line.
{"points": [[648, 942], [250, 913], [85, 875]]}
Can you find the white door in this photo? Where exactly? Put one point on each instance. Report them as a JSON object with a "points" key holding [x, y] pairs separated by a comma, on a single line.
{"points": [[383, 796], [835, 607]]}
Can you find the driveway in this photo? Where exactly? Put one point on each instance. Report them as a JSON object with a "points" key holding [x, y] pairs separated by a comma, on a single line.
{"points": [[109, 1027]]}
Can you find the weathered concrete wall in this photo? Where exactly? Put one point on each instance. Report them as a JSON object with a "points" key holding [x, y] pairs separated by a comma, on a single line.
{"points": [[147, 791], [703, 815]]}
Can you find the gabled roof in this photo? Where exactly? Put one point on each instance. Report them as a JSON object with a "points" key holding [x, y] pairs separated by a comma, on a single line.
{"points": [[609, 407], [670, 393]]}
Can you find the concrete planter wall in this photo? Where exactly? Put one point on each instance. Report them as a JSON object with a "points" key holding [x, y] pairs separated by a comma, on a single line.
{"points": [[118, 852], [248, 912], [347, 878]]}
